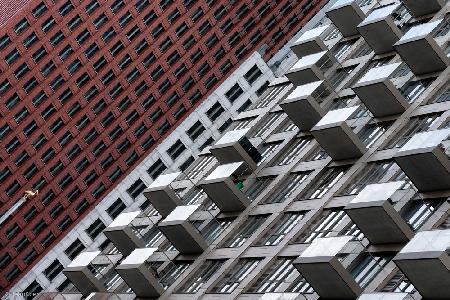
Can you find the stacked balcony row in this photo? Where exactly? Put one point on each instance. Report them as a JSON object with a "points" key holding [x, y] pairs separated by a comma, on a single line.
{"points": [[129, 232], [386, 28], [423, 257]]}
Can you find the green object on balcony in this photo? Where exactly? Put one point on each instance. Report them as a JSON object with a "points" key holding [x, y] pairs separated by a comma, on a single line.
{"points": [[240, 185]]}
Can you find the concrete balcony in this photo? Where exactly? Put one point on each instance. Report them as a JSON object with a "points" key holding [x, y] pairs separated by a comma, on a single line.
{"points": [[426, 263], [371, 210], [234, 146], [346, 15], [311, 68], [385, 296], [420, 51], [80, 274], [336, 137], [379, 29], [421, 8], [135, 271], [424, 161], [379, 94], [180, 231], [221, 187], [311, 41], [120, 233], [321, 268], [161, 194], [302, 104]]}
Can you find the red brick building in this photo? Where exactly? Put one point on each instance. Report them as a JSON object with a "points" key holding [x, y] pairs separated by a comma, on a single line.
{"points": [[89, 87]]}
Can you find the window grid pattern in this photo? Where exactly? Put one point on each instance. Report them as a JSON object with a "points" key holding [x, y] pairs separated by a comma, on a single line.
{"points": [[245, 232], [286, 189], [367, 267], [199, 278], [273, 279], [280, 229], [329, 223], [372, 173], [232, 279], [327, 180], [292, 152]]}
